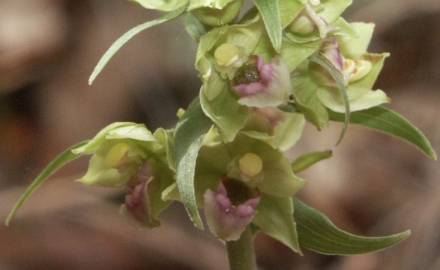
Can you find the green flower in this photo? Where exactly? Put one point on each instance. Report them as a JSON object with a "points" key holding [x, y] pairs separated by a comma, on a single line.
{"points": [[128, 155]]}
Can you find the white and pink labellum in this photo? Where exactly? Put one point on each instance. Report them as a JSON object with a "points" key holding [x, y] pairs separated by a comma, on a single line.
{"points": [[226, 220], [264, 84]]}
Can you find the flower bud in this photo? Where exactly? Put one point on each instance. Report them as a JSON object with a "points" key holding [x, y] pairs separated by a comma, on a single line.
{"points": [[226, 220], [216, 17]]}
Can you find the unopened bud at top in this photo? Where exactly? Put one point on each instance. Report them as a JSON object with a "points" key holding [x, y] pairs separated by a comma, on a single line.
{"points": [[216, 17]]}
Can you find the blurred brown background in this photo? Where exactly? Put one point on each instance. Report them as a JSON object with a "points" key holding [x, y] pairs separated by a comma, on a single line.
{"points": [[373, 185]]}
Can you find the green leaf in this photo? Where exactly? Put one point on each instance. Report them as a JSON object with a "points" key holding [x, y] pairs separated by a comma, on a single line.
{"points": [[317, 233], [190, 132], [120, 42], [275, 218], [387, 121], [341, 85], [60, 161], [194, 27], [270, 12], [306, 161]]}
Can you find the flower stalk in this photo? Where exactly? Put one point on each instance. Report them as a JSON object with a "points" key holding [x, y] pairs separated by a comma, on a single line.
{"points": [[241, 253]]}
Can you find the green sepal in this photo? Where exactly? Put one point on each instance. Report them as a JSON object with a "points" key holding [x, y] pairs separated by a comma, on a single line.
{"points": [[213, 16], [304, 162], [390, 122], [161, 5], [120, 42], [331, 10], [116, 131], [317, 233], [189, 136], [275, 218], [227, 114], [194, 27], [286, 133], [59, 162], [305, 92]]}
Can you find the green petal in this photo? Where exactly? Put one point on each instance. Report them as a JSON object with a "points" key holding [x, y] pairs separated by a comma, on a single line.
{"points": [[275, 218], [317, 233], [368, 81], [360, 99], [354, 46]]}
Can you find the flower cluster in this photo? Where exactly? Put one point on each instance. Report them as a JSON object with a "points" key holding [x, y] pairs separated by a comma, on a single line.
{"points": [[264, 75]]}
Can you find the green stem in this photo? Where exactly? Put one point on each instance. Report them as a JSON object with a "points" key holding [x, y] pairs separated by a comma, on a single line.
{"points": [[241, 253]]}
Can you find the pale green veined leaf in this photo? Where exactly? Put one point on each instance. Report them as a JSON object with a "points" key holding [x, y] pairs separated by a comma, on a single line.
{"points": [[317, 233], [270, 12], [387, 121], [190, 132], [60, 161], [120, 42]]}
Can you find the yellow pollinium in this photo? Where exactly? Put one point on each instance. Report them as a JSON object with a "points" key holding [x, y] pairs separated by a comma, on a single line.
{"points": [[250, 164], [116, 154], [227, 54]]}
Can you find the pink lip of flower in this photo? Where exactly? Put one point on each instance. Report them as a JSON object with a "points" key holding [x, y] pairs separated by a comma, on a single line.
{"points": [[226, 220], [272, 89], [267, 74], [135, 200]]}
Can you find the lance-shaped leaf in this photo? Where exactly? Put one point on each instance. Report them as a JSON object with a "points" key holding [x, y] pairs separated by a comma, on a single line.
{"points": [[270, 12], [304, 162], [119, 43], [341, 85], [60, 161], [275, 218], [190, 132], [317, 233], [387, 121]]}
